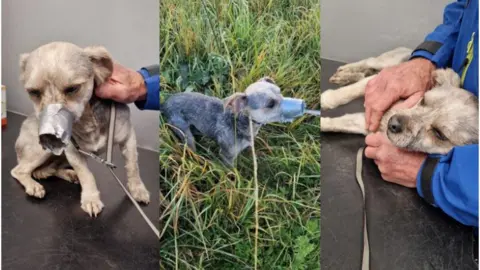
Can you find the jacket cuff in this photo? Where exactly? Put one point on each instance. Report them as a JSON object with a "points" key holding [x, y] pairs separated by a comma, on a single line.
{"points": [[436, 52], [152, 83], [425, 177]]}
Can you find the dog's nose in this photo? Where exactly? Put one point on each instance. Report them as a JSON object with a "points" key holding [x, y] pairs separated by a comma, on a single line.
{"points": [[395, 124]]}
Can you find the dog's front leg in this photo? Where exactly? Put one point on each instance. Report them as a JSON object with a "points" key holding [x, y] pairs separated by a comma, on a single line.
{"points": [[354, 72], [348, 123], [90, 197], [26, 165], [135, 184], [331, 99]]}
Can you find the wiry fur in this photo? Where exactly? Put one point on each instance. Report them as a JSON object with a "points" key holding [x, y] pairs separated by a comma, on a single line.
{"points": [[225, 121], [446, 108], [50, 69]]}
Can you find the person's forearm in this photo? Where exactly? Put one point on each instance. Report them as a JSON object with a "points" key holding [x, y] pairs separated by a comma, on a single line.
{"points": [[151, 99], [450, 182], [439, 45]]}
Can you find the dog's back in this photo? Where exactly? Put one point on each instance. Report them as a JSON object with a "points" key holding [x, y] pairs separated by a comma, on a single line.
{"points": [[195, 109]]}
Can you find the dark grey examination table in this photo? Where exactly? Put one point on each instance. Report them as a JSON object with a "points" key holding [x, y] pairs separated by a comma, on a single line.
{"points": [[404, 231], [55, 233]]}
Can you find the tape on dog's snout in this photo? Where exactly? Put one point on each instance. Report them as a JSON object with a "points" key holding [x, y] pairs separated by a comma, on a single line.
{"points": [[358, 176], [292, 108], [55, 128]]}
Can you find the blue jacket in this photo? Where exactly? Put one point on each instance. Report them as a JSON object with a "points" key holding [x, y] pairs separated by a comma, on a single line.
{"points": [[450, 181], [151, 77]]}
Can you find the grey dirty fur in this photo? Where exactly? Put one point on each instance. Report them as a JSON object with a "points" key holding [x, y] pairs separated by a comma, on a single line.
{"points": [[45, 73], [446, 117], [225, 121]]}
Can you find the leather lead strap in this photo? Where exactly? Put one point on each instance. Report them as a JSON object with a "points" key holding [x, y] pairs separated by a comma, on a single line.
{"points": [[111, 133], [358, 176]]}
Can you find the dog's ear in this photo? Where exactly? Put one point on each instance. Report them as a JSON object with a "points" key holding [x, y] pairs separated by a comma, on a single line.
{"points": [[472, 101], [236, 102], [267, 79], [102, 63], [23, 61], [446, 77], [23, 65]]}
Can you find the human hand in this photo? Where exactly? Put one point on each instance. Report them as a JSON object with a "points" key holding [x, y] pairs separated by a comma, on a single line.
{"points": [[125, 86], [396, 165], [408, 80]]}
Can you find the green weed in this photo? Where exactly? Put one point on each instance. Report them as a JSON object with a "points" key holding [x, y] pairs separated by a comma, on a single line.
{"points": [[207, 214]]}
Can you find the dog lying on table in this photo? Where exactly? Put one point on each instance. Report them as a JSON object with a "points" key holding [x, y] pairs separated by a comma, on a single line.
{"points": [[446, 117]]}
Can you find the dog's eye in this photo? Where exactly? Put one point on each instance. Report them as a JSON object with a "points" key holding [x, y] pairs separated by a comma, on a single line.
{"points": [[71, 89], [34, 93], [439, 134], [271, 103], [422, 102]]}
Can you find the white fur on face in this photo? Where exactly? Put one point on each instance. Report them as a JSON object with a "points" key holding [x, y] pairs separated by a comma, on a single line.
{"points": [[260, 94], [447, 111], [50, 70]]}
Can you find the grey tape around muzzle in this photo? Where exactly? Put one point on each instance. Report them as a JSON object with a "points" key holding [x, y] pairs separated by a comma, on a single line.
{"points": [[292, 108], [55, 128]]}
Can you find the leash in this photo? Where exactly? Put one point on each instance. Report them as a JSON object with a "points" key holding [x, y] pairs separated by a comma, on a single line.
{"points": [[108, 163], [358, 176]]}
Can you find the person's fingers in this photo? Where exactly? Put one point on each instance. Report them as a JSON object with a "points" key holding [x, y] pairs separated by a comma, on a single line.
{"points": [[369, 96], [367, 116], [373, 139], [389, 178], [375, 117], [383, 139], [370, 152], [413, 99], [109, 91], [102, 91], [410, 101]]}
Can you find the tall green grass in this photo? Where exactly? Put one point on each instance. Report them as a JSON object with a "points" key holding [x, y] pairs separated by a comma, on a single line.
{"points": [[207, 214]]}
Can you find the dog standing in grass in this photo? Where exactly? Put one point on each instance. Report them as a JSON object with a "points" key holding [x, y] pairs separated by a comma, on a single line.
{"points": [[226, 121], [63, 73]]}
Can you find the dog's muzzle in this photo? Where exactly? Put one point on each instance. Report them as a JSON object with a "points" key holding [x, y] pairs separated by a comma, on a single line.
{"points": [[55, 128], [291, 108]]}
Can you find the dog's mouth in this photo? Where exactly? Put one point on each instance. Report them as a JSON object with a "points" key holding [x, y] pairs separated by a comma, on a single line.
{"points": [[55, 128], [52, 144]]}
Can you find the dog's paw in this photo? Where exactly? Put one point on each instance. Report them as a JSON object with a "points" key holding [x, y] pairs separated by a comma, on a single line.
{"points": [[68, 175], [139, 192], [34, 189], [351, 73], [91, 203], [346, 77], [327, 100]]}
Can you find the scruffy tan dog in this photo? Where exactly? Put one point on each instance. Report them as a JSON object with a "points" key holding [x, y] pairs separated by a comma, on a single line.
{"points": [[446, 117], [63, 73]]}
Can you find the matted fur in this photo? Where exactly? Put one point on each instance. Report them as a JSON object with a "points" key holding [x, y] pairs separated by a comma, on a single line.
{"points": [[225, 121], [45, 73], [446, 109]]}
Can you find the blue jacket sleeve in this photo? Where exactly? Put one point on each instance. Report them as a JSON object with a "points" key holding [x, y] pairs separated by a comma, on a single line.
{"points": [[439, 45], [450, 182], [152, 83]]}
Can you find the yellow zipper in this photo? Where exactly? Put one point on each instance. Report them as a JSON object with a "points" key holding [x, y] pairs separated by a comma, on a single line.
{"points": [[469, 57]]}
